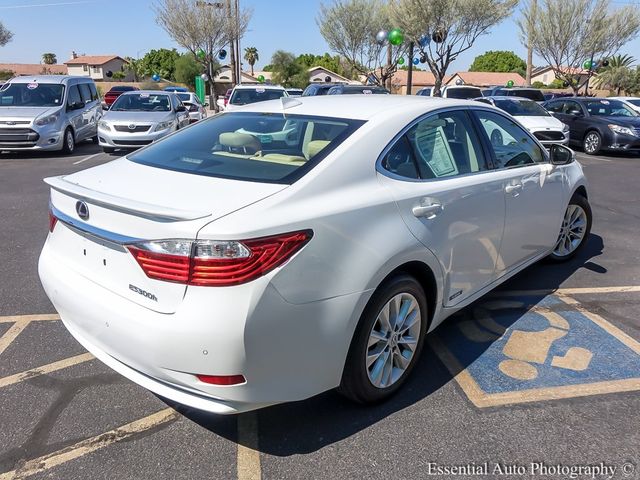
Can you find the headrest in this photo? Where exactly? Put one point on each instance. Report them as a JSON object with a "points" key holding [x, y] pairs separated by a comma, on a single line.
{"points": [[240, 140]]}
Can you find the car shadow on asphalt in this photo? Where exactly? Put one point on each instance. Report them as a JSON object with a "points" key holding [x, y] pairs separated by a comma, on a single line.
{"points": [[309, 425]]}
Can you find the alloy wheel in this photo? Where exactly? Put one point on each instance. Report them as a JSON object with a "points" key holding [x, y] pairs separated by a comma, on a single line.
{"points": [[70, 141], [572, 232], [393, 340], [592, 143]]}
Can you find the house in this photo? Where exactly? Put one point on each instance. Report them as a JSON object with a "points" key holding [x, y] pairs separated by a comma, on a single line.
{"points": [[316, 74], [98, 67], [486, 79], [419, 79], [547, 75], [321, 74], [223, 76], [33, 69]]}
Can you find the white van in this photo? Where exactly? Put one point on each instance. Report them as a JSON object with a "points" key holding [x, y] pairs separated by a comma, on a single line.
{"points": [[48, 112]]}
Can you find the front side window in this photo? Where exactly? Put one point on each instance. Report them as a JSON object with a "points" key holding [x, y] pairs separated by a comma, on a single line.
{"points": [[555, 107], [572, 108], [442, 145], [85, 92], [142, 102], [73, 99], [256, 147], [512, 146], [31, 95]]}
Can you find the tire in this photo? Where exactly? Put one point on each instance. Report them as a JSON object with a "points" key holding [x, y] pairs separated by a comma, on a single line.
{"points": [[108, 149], [359, 380], [95, 140], [68, 141], [592, 143], [578, 213]]}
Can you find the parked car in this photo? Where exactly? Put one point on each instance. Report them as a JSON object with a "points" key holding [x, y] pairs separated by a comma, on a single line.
{"points": [[315, 89], [116, 91], [461, 92], [534, 94], [424, 92], [598, 123], [357, 89], [196, 109], [176, 89], [244, 271], [294, 92], [138, 118], [545, 127], [222, 102], [632, 102], [48, 112], [246, 94]]}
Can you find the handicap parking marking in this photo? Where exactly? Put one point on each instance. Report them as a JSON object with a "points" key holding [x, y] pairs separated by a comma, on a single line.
{"points": [[529, 348]]}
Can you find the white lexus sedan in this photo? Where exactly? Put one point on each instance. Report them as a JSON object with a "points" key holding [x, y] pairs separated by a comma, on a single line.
{"points": [[228, 270]]}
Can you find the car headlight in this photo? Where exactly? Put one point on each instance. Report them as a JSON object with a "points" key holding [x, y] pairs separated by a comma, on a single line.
{"points": [[103, 125], [565, 128], [623, 130], [49, 119], [164, 125]]}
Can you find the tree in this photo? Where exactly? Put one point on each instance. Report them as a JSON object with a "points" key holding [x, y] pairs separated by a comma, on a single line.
{"points": [[498, 61], [287, 71], [251, 56], [161, 62], [119, 75], [5, 35], [202, 27], [350, 28], [565, 43], [617, 75], [49, 58], [450, 26], [134, 66], [187, 69]]}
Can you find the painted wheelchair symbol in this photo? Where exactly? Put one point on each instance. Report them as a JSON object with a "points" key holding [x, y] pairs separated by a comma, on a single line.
{"points": [[524, 349]]}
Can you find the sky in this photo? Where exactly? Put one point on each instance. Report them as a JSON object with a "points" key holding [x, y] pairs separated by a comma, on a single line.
{"points": [[128, 28]]}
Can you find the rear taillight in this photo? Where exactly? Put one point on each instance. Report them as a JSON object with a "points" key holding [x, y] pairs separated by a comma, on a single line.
{"points": [[216, 263], [52, 221], [226, 100]]}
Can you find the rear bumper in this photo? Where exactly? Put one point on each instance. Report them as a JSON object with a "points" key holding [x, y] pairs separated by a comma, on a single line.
{"points": [[286, 352]]}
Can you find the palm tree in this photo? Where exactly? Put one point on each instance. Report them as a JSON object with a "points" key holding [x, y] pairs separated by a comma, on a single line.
{"points": [[251, 56], [49, 58], [617, 75]]}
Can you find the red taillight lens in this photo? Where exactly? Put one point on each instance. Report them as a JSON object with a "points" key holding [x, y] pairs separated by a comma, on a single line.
{"points": [[222, 379], [52, 221], [226, 100], [217, 263]]}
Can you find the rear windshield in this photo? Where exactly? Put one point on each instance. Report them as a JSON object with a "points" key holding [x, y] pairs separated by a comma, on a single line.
{"points": [[246, 96], [463, 93], [425, 92], [31, 95], [256, 147], [184, 97], [142, 102], [535, 95], [522, 108]]}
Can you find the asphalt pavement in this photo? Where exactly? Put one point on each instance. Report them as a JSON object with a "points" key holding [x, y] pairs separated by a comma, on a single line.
{"points": [[67, 416]]}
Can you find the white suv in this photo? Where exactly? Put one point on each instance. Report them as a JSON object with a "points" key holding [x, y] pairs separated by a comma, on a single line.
{"points": [[246, 94]]}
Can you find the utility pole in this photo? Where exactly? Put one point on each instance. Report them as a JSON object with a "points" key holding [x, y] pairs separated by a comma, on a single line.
{"points": [[237, 44], [232, 43], [532, 15], [389, 60], [410, 71]]}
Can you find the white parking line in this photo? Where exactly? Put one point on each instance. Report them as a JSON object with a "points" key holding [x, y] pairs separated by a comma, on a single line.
{"points": [[567, 291], [87, 158], [89, 445], [30, 318], [248, 465], [11, 334], [44, 369], [586, 157]]}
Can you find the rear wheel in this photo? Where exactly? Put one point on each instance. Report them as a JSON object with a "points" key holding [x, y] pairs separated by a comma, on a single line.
{"points": [[592, 143], [68, 141], [387, 342], [575, 229]]}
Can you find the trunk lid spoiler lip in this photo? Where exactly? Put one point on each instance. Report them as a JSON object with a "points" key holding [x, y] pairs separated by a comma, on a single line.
{"points": [[140, 209]]}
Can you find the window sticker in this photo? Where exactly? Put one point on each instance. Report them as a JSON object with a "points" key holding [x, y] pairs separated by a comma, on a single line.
{"points": [[436, 152], [32, 86], [260, 90]]}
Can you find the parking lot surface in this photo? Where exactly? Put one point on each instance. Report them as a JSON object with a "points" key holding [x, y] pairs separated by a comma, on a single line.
{"points": [[541, 376]]}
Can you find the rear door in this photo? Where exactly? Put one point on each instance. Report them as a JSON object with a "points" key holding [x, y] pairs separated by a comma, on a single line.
{"points": [[533, 190], [448, 198]]}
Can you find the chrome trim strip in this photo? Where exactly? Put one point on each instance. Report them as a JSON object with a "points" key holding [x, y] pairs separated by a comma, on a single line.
{"points": [[93, 231]]}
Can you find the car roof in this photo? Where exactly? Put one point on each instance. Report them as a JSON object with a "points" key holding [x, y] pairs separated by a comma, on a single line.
{"points": [[48, 79], [357, 107], [507, 97], [149, 92]]}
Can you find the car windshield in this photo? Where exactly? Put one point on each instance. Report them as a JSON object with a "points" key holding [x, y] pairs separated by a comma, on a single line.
{"points": [[255, 147], [609, 108], [463, 93], [522, 108], [142, 102], [245, 96], [31, 95]]}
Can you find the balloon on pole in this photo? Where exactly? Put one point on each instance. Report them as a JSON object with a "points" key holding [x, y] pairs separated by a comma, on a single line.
{"points": [[396, 37], [424, 40], [510, 83], [261, 78], [155, 77], [587, 64], [401, 61], [416, 61], [440, 35], [201, 54], [423, 59], [204, 77], [381, 37], [222, 54]]}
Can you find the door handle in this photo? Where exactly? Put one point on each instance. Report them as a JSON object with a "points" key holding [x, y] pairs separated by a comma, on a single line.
{"points": [[513, 188], [428, 211]]}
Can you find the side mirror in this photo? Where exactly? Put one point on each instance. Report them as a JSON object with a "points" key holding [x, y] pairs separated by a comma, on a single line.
{"points": [[561, 155], [106, 107], [181, 108], [76, 106]]}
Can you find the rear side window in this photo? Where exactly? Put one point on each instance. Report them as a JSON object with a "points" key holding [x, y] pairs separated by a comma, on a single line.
{"points": [[256, 147], [513, 146], [94, 92], [85, 92], [245, 96]]}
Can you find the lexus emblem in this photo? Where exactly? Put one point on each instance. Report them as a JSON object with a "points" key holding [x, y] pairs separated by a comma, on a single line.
{"points": [[132, 126], [82, 210]]}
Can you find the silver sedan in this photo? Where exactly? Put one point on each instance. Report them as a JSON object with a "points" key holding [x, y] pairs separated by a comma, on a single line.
{"points": [[138, 118]]}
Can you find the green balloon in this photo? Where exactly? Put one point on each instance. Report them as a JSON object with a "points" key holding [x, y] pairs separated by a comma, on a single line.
{"points": [[261, 78], [510, 83], [587, 64], [201, 53], [396, 37], [401, 61]]}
